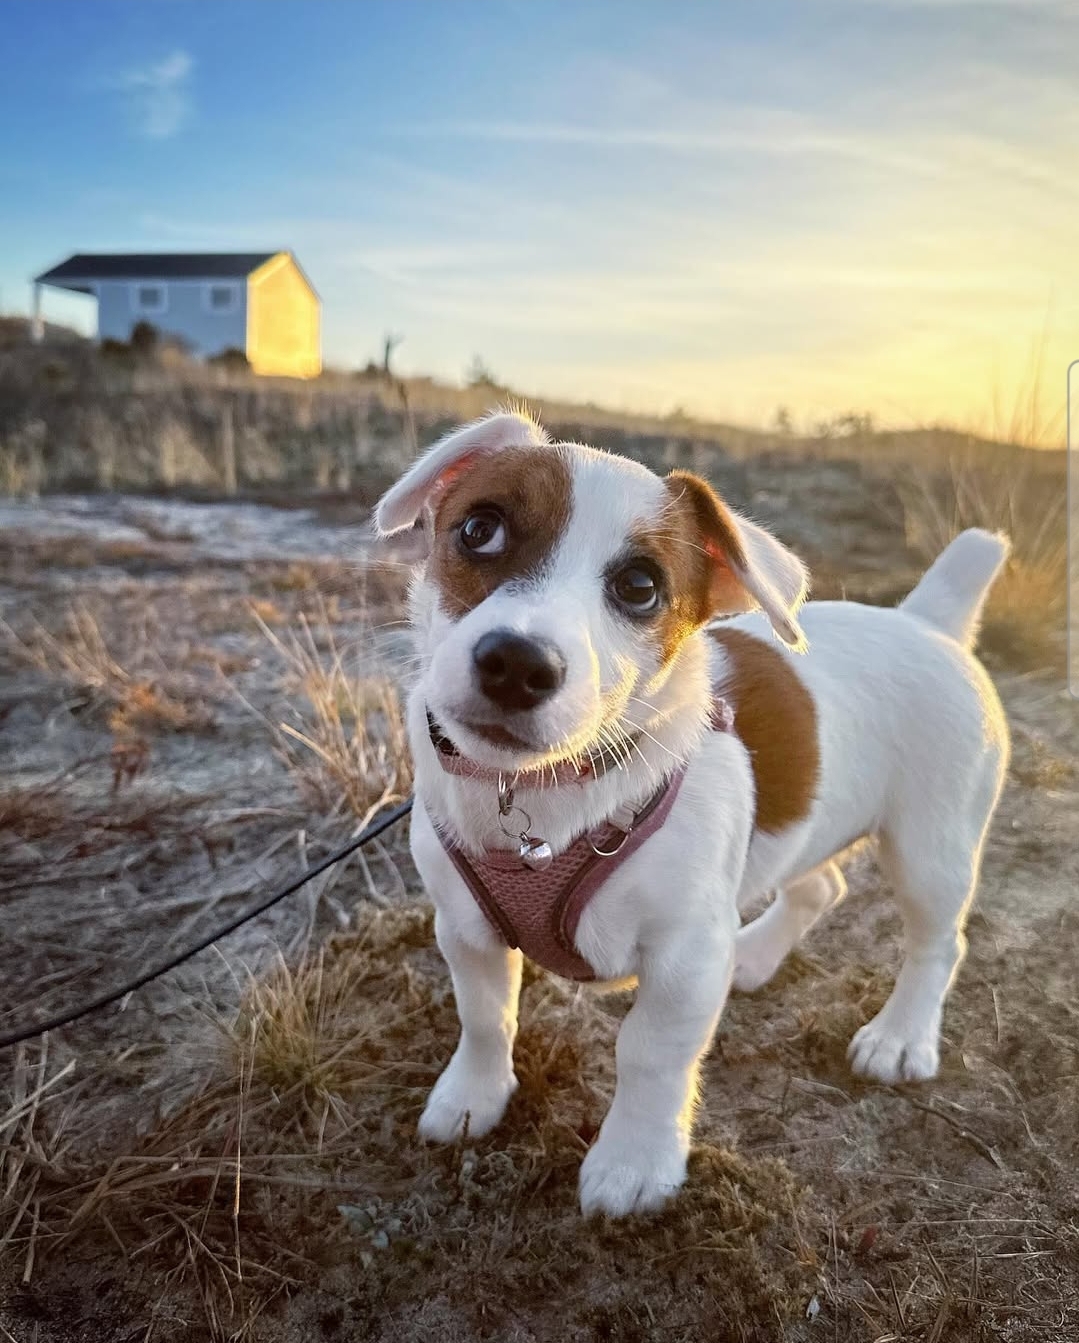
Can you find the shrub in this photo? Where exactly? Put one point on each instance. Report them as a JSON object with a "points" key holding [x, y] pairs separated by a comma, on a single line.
{"points": [[232, 360], [144, 340]]}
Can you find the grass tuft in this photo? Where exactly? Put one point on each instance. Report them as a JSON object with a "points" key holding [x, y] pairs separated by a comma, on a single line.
{"points": [[299, 1164], [1025, 613], [31, 1152], [348, 747], [130, 686]]}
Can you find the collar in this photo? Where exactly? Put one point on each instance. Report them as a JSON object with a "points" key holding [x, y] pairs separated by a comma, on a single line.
{"points": [[598, 763]]}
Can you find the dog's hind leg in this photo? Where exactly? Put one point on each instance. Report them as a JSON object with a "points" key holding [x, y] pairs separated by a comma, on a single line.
{"points": [[760, 947], [932, 854]]}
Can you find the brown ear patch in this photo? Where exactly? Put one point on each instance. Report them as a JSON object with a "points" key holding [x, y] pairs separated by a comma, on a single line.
{"points": [[694, 542], [716, 532], [776, 720], [533, 490]]}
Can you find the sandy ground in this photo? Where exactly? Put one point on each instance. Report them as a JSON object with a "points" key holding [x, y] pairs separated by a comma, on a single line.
{"points": [[211, 1166]]}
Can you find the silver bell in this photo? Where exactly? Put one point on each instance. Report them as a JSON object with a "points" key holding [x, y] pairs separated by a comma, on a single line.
{"points": [[535, 853]]}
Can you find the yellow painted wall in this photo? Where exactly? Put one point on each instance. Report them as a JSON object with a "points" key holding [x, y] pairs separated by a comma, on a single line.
{"points": [[283, 335]]}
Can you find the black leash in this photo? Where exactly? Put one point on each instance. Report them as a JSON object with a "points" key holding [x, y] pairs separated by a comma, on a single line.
{"points": [[114, 995]]}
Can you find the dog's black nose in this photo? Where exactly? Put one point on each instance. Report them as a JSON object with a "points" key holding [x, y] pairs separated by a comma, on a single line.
{"points": [[515, 672]]}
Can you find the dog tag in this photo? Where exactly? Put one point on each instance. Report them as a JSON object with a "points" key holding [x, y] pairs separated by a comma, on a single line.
{"points": [[535, 853]]}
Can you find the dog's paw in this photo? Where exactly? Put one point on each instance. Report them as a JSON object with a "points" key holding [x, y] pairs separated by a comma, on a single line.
{"points": [[757, 957], [461, 1093], [617, 1181], [894, 1056]]}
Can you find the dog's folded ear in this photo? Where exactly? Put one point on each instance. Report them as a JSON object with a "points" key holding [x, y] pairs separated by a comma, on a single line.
{"points": [[403, 503], [747, 567]]}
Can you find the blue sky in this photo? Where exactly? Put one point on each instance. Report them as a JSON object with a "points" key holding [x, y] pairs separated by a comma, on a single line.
{"points": [[723, 207]]}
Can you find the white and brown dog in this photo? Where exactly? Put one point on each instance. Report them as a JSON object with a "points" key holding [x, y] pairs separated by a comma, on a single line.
{"points": [[604, 777]]}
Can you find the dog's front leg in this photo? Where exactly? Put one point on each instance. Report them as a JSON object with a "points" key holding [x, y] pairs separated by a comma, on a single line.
{"points": [[639, 1158], [479, 1080]]}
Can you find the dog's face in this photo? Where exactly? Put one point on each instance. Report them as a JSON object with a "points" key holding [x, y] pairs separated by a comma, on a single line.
{"points": [[561, 585]]}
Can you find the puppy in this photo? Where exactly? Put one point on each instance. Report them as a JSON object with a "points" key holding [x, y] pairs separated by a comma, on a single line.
{"points": [[605, 776]]}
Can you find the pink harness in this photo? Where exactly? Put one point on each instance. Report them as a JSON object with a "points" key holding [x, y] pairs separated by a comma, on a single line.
{"points": [[539, 910]]}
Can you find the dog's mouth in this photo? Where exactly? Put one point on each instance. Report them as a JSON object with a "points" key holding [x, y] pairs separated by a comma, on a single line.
{"points": [[497, 735], [447, 732], [599, 757]]}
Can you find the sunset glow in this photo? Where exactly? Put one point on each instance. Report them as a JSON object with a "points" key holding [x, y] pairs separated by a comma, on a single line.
{"points": [[828, 207]]}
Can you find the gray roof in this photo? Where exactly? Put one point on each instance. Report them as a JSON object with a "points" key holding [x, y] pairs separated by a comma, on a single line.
{"points": [[85, 266]]}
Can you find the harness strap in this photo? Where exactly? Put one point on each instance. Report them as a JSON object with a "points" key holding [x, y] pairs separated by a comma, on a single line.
{"points": [[539, 910], [581, 889]]}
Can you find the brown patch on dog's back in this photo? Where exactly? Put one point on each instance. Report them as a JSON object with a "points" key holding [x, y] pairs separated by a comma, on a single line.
{"points": [[776, 720], [533, 490]]}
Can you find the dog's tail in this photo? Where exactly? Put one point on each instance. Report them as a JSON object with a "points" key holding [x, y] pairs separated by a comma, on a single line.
{"points": [[953, 589]]}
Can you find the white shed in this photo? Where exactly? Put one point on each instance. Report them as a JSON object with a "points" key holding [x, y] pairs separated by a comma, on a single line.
{"points": [[258, 302]]}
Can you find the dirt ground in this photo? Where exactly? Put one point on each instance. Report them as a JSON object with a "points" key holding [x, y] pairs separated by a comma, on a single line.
{"points": [[230, 1153]]}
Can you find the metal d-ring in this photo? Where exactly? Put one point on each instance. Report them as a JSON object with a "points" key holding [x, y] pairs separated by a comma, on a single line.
{"points": [[608, 853]]}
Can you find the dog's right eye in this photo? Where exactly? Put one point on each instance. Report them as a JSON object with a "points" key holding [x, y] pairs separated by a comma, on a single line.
{"points": [[636, 588], [483, 532]]}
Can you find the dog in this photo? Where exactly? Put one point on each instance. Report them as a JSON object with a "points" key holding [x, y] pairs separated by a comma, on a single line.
{"points": [[627, 727]]}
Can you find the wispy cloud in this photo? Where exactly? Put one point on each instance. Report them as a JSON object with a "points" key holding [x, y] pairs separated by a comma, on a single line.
{"points": [[157, 95], [773, 135]]}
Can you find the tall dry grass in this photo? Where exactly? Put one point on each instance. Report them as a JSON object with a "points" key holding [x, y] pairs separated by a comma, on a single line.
{"points": [[1023, 494], [1025, 615], [32, 1151], [126, 678], [1033, 413], [344, 739]]}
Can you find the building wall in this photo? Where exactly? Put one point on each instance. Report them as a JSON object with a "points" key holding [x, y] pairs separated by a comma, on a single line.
{"points": [[284, 336], [187, 314]]}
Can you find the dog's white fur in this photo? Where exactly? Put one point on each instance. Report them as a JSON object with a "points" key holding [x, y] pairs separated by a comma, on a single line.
{"points": [[913, 749]]}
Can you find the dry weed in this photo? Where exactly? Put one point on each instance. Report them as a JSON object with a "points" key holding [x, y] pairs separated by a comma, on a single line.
{"points": [[267, 612], [131, 687], [347, 748], [299, 1164], [31, 1152], [1022, 417], [76, 804], [1026, 608], [297, 1028], [299, 576]]}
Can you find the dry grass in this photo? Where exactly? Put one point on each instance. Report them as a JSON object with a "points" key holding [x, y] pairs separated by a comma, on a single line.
{"points": [[281, 1193], [131, 687], [74, 804], [1023, 417], [297, 1029], [347, 747], [32, 1152], [1025, 614], [290, 1198], [298, 1165]]}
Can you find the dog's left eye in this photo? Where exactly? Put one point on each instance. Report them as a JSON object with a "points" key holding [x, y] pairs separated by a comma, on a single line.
{"points": [[483, 532], [636, 588]]}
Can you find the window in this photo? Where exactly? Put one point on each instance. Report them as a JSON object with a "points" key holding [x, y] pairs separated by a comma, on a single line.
{"points": [[221, 298], [148, 298]]}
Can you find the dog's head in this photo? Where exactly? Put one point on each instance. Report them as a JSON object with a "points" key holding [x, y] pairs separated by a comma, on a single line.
{"points": [[562, 583]]}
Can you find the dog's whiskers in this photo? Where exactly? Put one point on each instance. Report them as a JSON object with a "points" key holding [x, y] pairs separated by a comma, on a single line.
{"points": [[655, 740]]}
